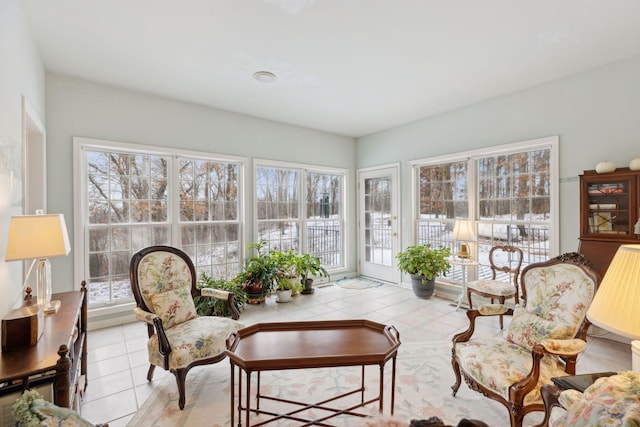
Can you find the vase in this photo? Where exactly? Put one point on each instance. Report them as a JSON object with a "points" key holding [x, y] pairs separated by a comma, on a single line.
{"points": [[420, 289], [308, 287]]}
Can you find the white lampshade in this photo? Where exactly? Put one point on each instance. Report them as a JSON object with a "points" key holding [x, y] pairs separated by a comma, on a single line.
{"points": [[37, 236], [616, 305], [463, 230]]}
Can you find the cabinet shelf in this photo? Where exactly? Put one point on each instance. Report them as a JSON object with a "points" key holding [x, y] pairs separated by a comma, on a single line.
{"points": [[608, 211]]}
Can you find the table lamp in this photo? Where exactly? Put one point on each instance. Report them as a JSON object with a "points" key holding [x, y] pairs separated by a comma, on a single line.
{"points": [[463, 232], [38, 237], [617, 302]]}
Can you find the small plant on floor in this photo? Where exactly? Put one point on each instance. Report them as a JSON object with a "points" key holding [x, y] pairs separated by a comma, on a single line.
{"points": [[424, 261], [207, 306]]}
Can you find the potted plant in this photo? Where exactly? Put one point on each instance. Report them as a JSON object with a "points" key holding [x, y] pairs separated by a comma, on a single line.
{"points": [[284, 289], [423, 264], [259, 275], [206, 306], [307, 266]]}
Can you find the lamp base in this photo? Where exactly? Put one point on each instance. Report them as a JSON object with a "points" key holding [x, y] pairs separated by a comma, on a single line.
{"points": [[52, 307]]}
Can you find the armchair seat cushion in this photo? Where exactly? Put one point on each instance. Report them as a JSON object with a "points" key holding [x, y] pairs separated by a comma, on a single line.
{"points": [[497, 364], [199, 338], [494, 287]]}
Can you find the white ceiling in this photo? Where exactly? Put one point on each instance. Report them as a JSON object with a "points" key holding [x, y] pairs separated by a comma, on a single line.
{"points": [[351, 67]]}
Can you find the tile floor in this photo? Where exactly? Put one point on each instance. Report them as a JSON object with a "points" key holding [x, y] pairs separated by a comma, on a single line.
{"points": [[118, 364]]}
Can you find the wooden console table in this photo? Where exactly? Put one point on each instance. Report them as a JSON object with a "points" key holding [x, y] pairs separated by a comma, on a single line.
{"points": [[59, 358], [301, 345]]}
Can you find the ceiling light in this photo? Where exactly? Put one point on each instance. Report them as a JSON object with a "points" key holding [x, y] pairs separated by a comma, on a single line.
{"points": [[264, 76]]}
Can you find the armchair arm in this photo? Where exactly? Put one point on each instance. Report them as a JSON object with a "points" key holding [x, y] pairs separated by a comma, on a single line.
{"points": [[222, 295], [144, 316], [569, 348], [153, 320], [484, 311]]}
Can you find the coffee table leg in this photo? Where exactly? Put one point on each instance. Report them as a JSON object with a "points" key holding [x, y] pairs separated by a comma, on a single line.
{"points": [[248, 408], [381, 387], [233, 392], [393, 384]]}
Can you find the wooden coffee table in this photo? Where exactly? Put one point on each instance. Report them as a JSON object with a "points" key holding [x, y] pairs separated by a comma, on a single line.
{"points": [[300, 345]]}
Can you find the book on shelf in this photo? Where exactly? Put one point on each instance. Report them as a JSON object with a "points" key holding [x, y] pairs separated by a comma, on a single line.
{"points": [[603, 206]]}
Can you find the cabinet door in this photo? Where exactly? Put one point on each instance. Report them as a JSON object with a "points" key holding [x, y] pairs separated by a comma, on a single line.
{"points": [[609, 205]]}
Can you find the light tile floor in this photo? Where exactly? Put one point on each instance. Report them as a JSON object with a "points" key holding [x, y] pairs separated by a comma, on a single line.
{"points": [[118, 363]]}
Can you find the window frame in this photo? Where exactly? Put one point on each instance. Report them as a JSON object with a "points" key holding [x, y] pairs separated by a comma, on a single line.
{"points": [[80, 202], [306, 168], [471, 156]]}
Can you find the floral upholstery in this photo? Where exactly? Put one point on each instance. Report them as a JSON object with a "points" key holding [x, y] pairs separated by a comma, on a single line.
{"points": [[495, 287], [31, 410], [174, 306], [546, 330], [160, 272], [497, 364], [200, 338], [557, 300], [163, 284], [610, 401]]}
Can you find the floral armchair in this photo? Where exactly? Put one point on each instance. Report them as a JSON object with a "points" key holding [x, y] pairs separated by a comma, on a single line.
{"points": [[163, 281], [546, 333], [609, 401]]}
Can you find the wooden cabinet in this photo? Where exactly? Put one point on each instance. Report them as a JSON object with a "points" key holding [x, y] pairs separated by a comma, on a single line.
{"points": [[609, 210], [59, 359]]}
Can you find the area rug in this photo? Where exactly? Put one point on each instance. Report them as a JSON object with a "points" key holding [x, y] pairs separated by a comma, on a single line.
{"points": [[423, 389], [358, 283]]}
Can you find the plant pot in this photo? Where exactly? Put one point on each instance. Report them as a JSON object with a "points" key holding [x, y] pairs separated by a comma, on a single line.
{"points": [[283, 295], [422, 290], [308, 287], [255, 294]]}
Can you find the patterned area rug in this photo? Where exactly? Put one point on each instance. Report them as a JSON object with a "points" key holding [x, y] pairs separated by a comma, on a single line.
{"points": [[358, 283], [423, 380]]}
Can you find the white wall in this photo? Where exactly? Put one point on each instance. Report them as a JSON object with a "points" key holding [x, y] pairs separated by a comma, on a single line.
{"points": [[596, 115], [80, 108], [21, 74]]}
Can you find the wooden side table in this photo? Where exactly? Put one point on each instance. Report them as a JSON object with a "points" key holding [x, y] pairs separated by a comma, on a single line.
{"points": [[59, 358]]}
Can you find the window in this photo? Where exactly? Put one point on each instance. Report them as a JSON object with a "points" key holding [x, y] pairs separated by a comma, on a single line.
{"points": [[302, 209], [507, 191], [132, 199]]}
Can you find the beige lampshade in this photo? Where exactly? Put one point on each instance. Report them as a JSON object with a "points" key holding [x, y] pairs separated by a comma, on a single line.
{"points": [[463, 230], [37, 236], [616, 306]]}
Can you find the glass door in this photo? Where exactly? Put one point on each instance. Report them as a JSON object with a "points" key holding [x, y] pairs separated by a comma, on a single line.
{"points": [[378, 223]]}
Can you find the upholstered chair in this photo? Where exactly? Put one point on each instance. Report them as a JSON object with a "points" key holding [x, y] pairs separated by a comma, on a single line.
{"points": [[609, 401], [505, 259], [163, 281], [546, 333]]}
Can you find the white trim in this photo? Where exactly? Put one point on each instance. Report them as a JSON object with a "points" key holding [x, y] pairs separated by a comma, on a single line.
{"points": [[543, 142]]}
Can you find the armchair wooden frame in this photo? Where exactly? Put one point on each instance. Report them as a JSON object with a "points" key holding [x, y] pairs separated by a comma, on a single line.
{"points": [[156, 327], [518, 390]]}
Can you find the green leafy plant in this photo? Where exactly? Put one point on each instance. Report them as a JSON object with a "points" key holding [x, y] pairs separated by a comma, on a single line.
{"points": [[424, 261], [207, 306], [260, 271], [308, 265]]}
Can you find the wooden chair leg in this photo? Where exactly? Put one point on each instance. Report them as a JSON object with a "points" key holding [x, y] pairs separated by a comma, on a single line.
{"points": [[502, 299], [181, 375], [469, 299], [150, 372]]}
